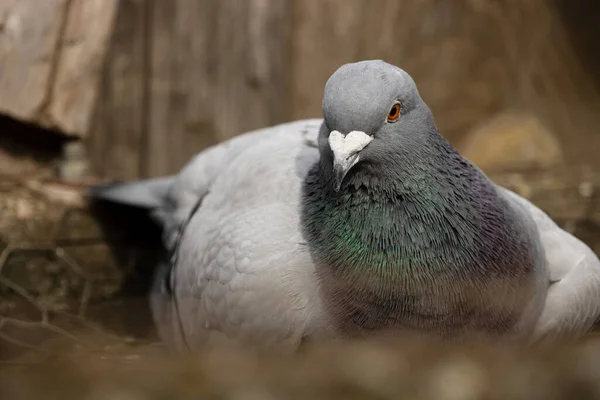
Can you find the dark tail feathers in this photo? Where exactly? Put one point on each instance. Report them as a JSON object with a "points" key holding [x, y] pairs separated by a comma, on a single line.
{"points": [[148, 193]]}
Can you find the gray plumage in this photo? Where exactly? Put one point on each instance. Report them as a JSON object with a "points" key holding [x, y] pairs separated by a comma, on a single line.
{"points": [[354, 224]]}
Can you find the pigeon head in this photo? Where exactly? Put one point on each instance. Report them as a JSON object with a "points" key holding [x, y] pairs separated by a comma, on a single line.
{"points": [[374, 118]]}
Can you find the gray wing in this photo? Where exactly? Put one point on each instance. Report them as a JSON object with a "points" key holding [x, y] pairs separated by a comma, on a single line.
{"points": [[195, 179], [240, 270], [572, 303]]}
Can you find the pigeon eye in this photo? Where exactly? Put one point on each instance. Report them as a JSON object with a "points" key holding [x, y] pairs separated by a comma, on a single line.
{"points": [[394, 113]]}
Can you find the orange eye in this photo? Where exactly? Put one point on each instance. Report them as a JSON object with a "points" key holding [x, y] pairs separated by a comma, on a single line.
{"points": [[394, 113]]}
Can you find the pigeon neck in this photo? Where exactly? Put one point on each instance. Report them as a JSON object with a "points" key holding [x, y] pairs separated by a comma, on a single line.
{"points": [[385, 223], [395, 253], [404, 222]]}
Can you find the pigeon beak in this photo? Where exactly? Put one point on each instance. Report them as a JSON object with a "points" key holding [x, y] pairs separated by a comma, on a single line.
{"points": [[341, 168], [346, 152]]}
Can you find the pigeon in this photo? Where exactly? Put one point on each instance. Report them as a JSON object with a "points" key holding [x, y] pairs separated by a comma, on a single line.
{"points": [[363, 222]]}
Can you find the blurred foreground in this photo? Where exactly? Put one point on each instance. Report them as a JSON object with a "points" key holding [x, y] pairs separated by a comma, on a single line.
{"points": [[105, 368]]}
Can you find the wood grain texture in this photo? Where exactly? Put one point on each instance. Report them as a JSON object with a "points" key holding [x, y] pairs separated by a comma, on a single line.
{"points": [[80, 56], [29, 34], [218, 69], [50, 55], [117, 132]]}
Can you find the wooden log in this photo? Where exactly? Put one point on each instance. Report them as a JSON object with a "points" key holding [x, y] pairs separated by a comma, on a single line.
{"points": [[51, 53]]}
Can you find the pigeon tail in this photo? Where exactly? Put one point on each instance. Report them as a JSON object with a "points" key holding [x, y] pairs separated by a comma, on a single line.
{"points": [[148, 193]]}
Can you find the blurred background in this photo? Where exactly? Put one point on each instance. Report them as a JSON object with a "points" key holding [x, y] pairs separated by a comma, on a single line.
{"points": [[110, 90]]}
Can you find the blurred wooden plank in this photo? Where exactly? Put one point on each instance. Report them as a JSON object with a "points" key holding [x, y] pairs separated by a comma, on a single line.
{"points": [[50, 55], [29, 34], [219, 68], [116, 140], [80, 57], [252, 65], [164, 126], [320, 43]]}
